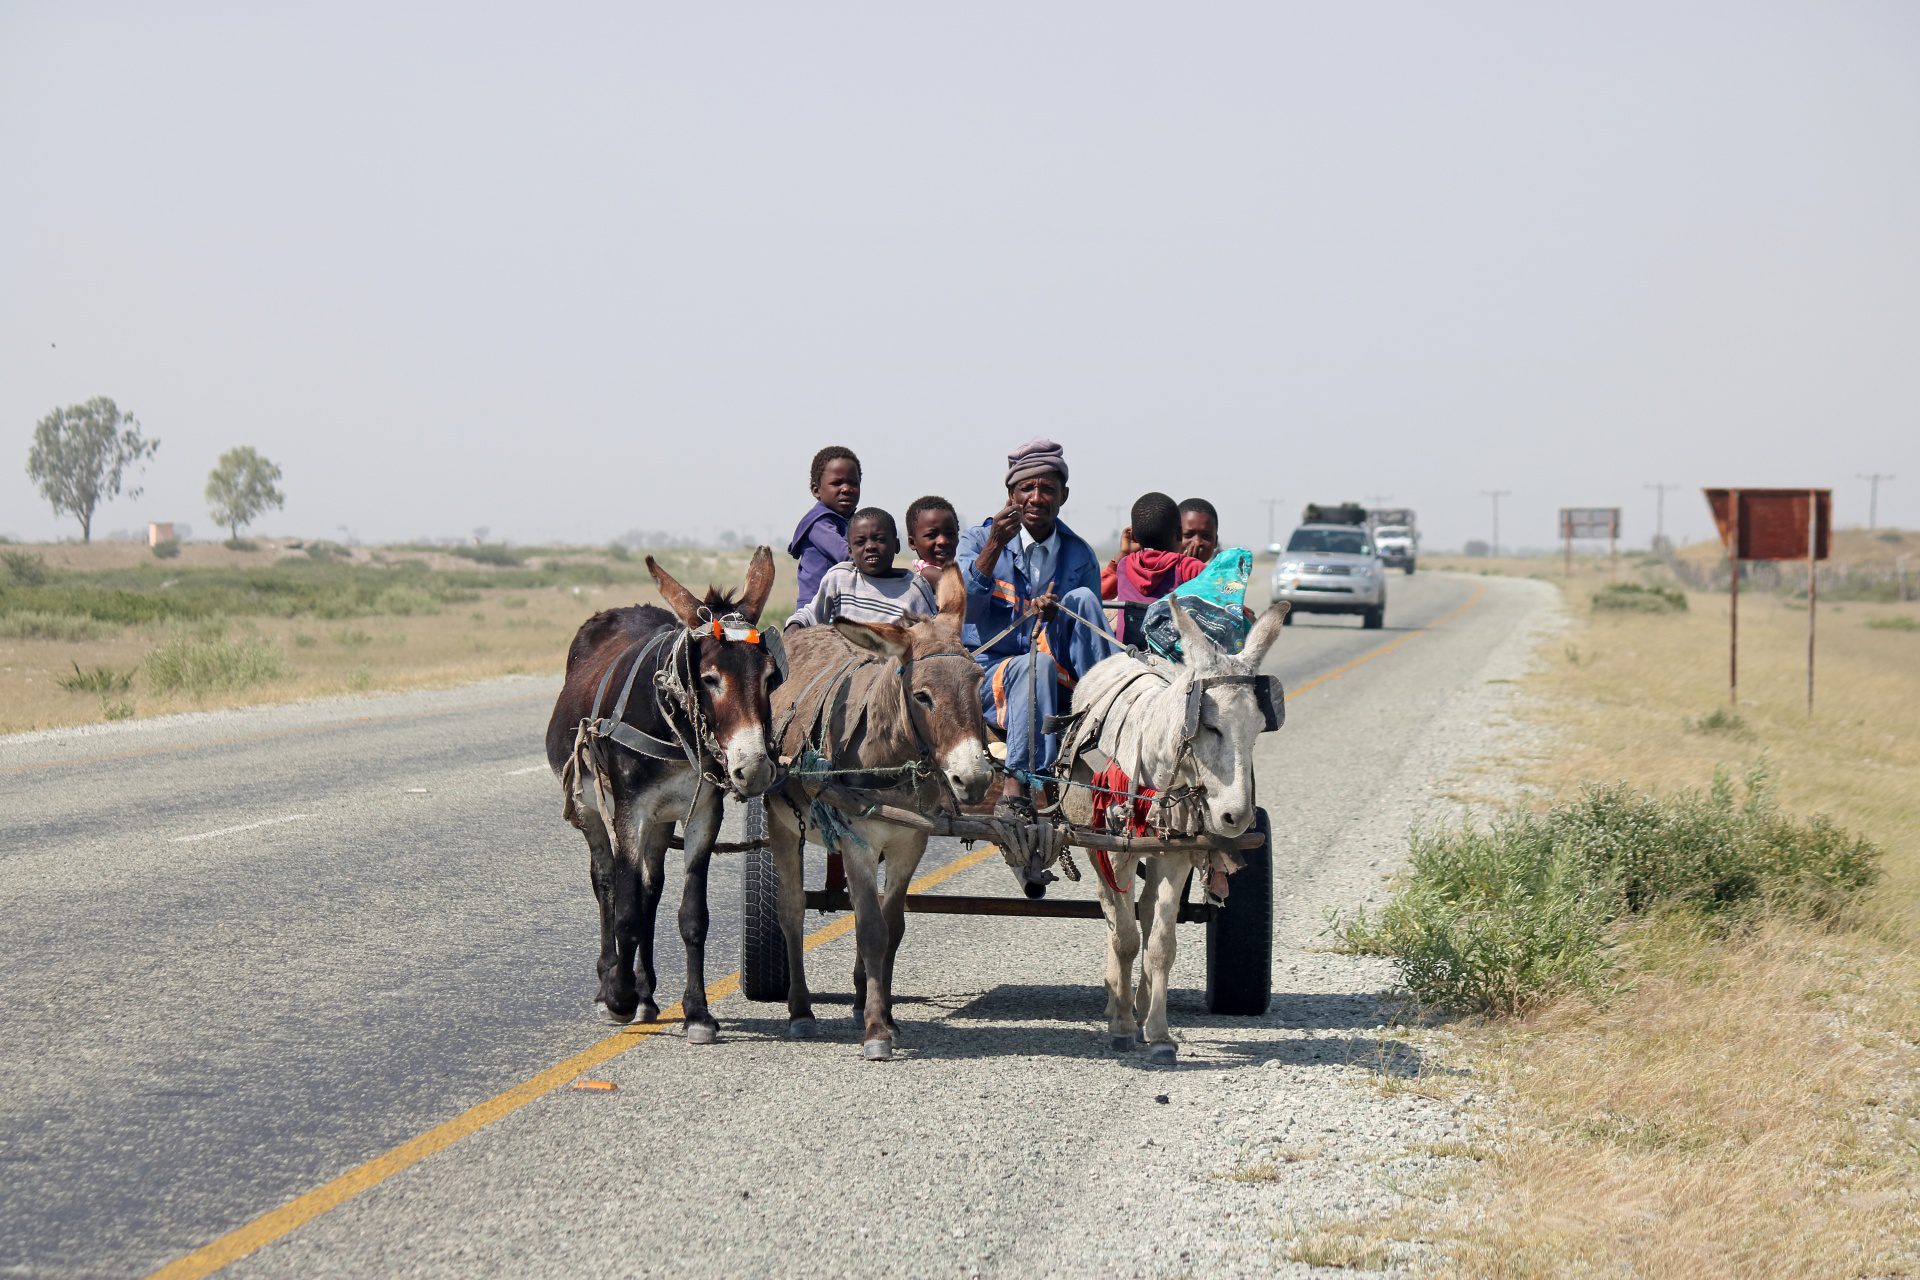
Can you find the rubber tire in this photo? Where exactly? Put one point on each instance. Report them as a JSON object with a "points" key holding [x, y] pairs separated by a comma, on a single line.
{"points": [[763, 952], [1374, 619], [1409, 568], [1287, 620], [1240, 935]]}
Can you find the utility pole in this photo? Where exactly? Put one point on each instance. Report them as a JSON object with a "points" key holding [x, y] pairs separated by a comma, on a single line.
{"points": [[1873, 496], [1116, 508], [1496, 495], [1379, 499], [1272, 503], [1660, 512]]}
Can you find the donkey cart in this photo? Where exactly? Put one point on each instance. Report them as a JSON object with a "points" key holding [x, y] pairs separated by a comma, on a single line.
{"points": [[1239, 927]]}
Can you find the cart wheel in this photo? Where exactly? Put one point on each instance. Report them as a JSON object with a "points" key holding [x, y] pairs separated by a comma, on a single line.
{"points": [[763, 952], [1240, 935]]}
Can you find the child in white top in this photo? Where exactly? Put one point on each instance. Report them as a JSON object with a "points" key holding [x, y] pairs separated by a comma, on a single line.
{"points": [[865, 587]]}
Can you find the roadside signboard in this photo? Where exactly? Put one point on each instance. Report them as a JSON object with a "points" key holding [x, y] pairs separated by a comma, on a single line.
{"points": [[1771, 524], [1590, 522]]}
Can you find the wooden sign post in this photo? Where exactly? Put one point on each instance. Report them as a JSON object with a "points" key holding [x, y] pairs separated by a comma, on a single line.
{"points": [[1771, 524]]}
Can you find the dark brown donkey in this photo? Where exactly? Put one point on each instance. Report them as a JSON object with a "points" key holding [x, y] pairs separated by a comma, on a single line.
{"points": [[662, 714], [874, 697]]}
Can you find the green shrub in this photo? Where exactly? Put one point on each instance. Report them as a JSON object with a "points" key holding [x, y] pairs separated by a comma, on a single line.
{"points": [[495, 553], [405, 601], [168, 550], [618, 551], [331, 590], [100, 680], [30, 624], [241, 544], [1898, 622], [1720, 720], [1893, 535], [353, 638], [25, 568], [325, 551], [197, 666], [1633, 597], [116, 709], [1491, 920], [1497, 918]]}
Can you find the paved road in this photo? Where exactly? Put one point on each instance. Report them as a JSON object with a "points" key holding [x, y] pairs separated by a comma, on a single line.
{"points": [[246, 952]]}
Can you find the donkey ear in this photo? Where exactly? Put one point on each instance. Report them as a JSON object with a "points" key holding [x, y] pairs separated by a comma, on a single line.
{"points": [[759, 584], [678, 598], [1196, 646], [876, 637], [951, 594], [1265, 631]]}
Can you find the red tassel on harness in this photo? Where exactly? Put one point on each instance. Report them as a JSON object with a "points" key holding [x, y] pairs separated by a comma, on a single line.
{"points": [[1111, 787]]}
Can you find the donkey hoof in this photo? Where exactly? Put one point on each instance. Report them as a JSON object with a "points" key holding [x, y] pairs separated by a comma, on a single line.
{"points": [[1123, 1043], [612, 1014], [1163, 1055], [702, 1033], [877, 1051], [647, 1012], [801, 1028]]}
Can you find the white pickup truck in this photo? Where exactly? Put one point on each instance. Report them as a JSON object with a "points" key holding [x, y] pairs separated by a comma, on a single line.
{"points": [[1397, 545]]}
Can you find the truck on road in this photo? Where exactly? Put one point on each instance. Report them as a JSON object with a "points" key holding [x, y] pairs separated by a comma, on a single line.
{"points": [[1395, 536]]}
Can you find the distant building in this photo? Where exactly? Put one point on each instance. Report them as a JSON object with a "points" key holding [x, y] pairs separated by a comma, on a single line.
{"points": [[158, 532]]}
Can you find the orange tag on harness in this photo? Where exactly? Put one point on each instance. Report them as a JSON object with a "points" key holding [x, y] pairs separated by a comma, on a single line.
{"points": [[736, 630]]}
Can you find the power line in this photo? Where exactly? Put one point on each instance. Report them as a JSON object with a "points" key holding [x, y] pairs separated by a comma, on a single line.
{"points": [[1272, 503], [1873, 501], [1496, 495], [1660, 511]]}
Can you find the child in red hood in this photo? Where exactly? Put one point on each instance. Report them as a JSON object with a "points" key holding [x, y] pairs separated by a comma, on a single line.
{"points": [[1151, 563]]}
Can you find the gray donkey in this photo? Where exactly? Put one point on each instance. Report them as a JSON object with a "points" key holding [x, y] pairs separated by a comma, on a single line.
{"points": [[1187, 730], [886, 706]]}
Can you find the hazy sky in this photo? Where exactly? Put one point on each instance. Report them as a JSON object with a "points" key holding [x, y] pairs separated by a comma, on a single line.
{"points": [[568, 270]]}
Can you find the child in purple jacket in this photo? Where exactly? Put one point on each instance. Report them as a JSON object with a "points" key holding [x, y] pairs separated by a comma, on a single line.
{"points": [[820, 539]]}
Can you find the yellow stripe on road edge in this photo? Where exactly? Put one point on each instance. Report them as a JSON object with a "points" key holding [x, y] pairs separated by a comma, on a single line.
{"points": [[1389, 646], [274, 1223]]}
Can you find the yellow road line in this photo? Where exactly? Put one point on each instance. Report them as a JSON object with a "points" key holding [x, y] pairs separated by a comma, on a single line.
{"points": [[1389, 646], [275, 1223]]}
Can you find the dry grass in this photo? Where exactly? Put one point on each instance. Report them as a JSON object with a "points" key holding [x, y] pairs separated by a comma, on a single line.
{"points": [[379, 653], [1338, 1250], [1747, 1107], [505, 632]]}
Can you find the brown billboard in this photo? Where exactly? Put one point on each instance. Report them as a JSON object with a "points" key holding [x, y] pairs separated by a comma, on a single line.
{"points": [[1772, 524]]}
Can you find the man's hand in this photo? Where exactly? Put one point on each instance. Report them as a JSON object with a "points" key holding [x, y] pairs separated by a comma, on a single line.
{"points": [[1000, 535], [1044, 605]]}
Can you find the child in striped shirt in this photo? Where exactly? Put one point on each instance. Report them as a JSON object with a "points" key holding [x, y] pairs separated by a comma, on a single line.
{"points": [[865, 587]]}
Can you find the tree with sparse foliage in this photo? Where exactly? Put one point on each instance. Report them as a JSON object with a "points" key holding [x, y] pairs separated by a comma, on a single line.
{"points": [[80, 455], [241, 486]]}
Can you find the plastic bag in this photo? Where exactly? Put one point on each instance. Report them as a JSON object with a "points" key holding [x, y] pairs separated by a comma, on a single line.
{"points": [[1215, 599]]}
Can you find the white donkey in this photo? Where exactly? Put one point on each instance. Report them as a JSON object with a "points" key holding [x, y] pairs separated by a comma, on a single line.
{"points": [[1186, 730]]}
